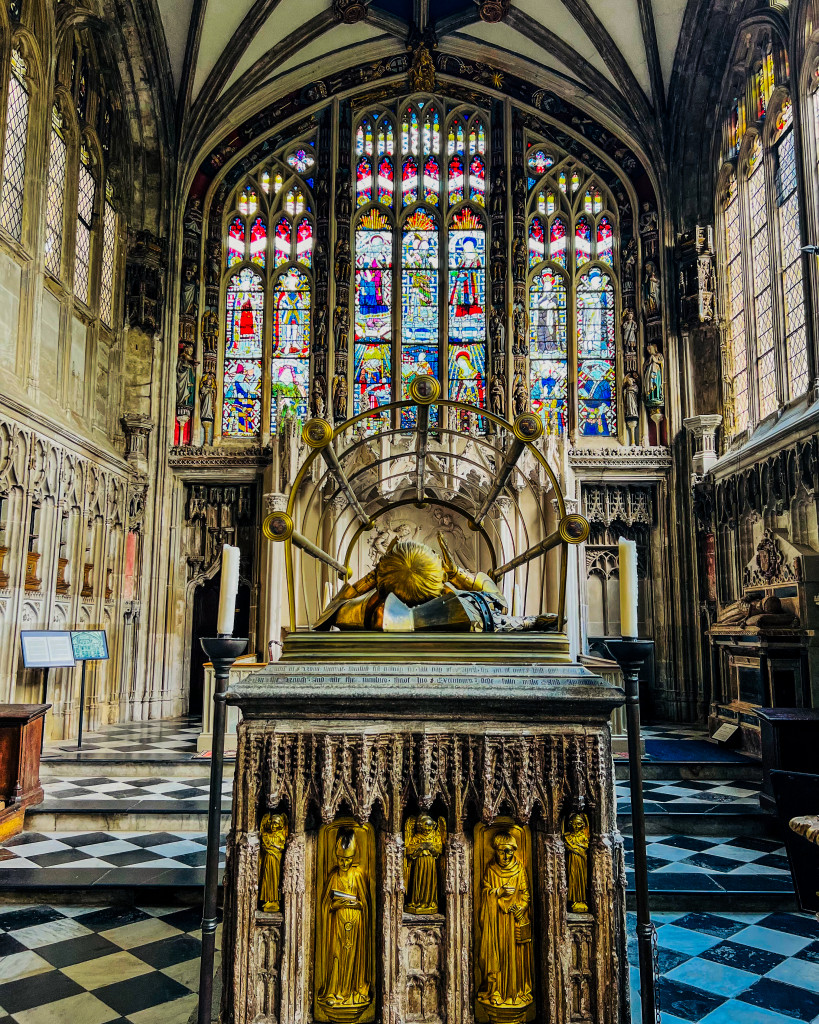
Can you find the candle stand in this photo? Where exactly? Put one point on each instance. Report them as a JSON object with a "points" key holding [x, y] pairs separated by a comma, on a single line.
{"points": [[630, 654], [222, 651]]}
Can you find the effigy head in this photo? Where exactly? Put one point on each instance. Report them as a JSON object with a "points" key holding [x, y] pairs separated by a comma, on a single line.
{"points": [[345, 848], [412, 571]]}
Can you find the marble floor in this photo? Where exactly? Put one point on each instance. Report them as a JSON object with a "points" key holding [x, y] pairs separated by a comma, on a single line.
{"points": [[107, 965]]}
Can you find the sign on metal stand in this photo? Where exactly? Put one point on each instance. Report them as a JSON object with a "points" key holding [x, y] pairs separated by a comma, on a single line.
{"points": [[87, 645]]}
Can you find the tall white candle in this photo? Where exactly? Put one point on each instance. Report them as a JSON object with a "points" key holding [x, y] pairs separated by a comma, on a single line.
{"points": [[228, 590], [627, 551]]}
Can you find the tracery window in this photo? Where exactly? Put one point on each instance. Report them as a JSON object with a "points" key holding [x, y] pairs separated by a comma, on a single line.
{"points": [[109, 242], [766, 351], [571, 260], [86, 194], [14, 147], [270, 247], [55, 196]]}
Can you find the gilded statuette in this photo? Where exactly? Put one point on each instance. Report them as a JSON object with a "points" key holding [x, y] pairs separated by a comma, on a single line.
{"points": [[272, 837], [423, 845], [576, 840]]}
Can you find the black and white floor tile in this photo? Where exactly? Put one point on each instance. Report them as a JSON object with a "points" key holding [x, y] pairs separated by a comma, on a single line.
{"points": [[96, 789], [165, 739], [693, 796], [82, 850], [734, 968]]}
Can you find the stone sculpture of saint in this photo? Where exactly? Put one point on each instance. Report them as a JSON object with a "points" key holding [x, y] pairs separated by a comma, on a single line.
{"points": [[423, 845], [272, 838], [653, 388], [343, 969], [576, 840], [505, 949]]}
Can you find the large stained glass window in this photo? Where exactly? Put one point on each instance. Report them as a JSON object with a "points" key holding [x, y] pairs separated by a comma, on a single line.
{"points": [[55, 196], [761, 276], [290, 365], [419, 301], [467, 308], [595, 355], [87, 188], [737, 355], [548, 353], [241, 407], [372, 358], [14, 148], [787, 203]]}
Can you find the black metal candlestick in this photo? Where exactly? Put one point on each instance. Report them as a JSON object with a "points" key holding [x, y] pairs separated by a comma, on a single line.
{"points": [[630, 654], [222, 651]]}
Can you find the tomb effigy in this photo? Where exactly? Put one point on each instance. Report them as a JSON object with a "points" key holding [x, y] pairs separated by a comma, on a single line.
{"points": [[424, 820]]}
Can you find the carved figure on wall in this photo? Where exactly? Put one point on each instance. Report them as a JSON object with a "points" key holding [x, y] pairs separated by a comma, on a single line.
{"points": [[628, 330], [520, 395], [767, 612], [423, 845], [192, 223], [498, 194], [342, 328], [214, 263], [342, 260], [185, 376], [576, 841], [344, 200], [631, 406], [519, 258], [207, 403], [497, 395], [272, 838], [340, 396], [422, 71], [649, 221], [321, 329], [505, 947], [519, 328], [317, 399], [651, 291], [497, 330], [190, 290], [344, 968], [497, 261], [653, 387]]}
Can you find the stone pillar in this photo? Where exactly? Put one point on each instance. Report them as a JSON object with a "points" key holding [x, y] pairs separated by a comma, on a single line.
{"points": [[295, 952], [459, 931], [392, 915]]}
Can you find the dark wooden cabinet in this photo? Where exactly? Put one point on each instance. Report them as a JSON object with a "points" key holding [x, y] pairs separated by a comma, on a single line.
{"points": [[21, 735], [790, 743]]}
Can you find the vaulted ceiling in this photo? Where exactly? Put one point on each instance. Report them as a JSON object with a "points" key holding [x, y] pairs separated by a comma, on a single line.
{"points": [[221, 51]]}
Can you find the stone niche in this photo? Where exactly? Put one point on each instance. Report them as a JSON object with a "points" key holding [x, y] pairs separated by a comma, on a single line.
{"points": [[401, 789]]}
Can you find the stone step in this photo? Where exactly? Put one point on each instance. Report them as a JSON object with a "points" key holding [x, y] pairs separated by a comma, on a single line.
{"points": [[713, 823], [122, 816], [114, 768], [726, 770]]}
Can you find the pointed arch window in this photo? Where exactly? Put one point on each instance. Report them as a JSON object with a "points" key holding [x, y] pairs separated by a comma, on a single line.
{"points": [[596, 412], [14, 147], [548, 351], [241, 407], [737, 354], [109, 246], [467, 308], [419, 305], [372, 356], [86, 196], [55, 196], [290, 363]]}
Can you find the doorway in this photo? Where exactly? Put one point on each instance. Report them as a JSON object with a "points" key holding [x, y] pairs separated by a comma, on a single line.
{"points": [[205, 613]]}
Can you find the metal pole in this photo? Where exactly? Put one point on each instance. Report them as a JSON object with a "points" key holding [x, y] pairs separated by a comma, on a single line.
{"points": [[82, 705], [222, 651], [630, 654]]}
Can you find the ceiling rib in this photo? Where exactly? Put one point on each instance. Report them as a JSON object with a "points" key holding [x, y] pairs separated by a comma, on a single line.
{"points": [[655, 70], [197, 21]]}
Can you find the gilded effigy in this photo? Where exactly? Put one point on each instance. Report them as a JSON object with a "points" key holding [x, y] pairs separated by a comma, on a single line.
{"points": [[424, 823]]}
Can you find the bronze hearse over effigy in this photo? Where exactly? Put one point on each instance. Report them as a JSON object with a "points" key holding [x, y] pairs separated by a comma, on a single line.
{"points": [[423, 825]]}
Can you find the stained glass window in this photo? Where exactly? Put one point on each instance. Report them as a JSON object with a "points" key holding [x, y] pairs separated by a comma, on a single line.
{"points": [[294, 201], [258, 242], [364, 181], [467, 306], [419, 302], [787, 203], [301, 161], [241, 407], [558, 241], [386, 181], [109, 244], [432, 181], [236, 242], [540, 161], [548, 355], [477, 180], [605, 241], [372, 360], [546, 202], [14, 148], [282, 242], [55, 197], [432, 133], [738, 360], [290, 364], [409, 182], [410, 133], [582, 242], [596, 412], [85, 210], [537, 242], [304, 242], [764, 84], [761, 276], [248, 203], [456, 179]]}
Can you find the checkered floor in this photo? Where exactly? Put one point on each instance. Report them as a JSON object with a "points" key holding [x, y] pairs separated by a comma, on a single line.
{"points": [[675, 731], [733, 968], [165, 739], [98, 965], [105, 850], [100, 788], [693, 796], [711, 862], [140, 964]]}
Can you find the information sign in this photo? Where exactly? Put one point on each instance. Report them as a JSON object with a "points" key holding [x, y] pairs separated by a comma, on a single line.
{"points": [[47, 648], [90, 644]]}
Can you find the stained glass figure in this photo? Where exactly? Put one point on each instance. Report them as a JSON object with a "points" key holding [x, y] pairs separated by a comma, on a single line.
{"points": [[540, 161], [248, 202], [410, 132], [605, 241], [241, 408], [477, 180], [294, 201], [575, 181], [546, 202], [761, 283], [386, 139], [595, 355], [784, 119], [419, 302], [455, 137], [386, 181], [432, 181], [304, 242], [290, 362], [537, 242], [432, 133], [56, 195], [282, 241], [264, 181], [409, 182], [467, 320], [764, 84], [561, 181], [364, 139], [593, 201], [236, 242], [372, 363], [582, 242], [258, 242], [301, 161], [477, 137], [363, 182], [548, 349], [456, 179], [558, 241], [14, 149], [278, 183]]}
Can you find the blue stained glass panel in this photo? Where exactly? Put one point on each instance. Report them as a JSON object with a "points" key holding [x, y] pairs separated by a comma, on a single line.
{"points": [[467, 318], [595, 352], [289, 387], [548, 349], [291, 321], [245, 316], [241, 408], [595, 397], [549, 383], [372, 371]]}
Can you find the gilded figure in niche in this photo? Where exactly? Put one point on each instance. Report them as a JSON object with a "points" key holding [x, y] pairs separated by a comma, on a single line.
{"points": [[272, 837], [503, 905], [423, 845], [345, 954], [576, 841]]}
